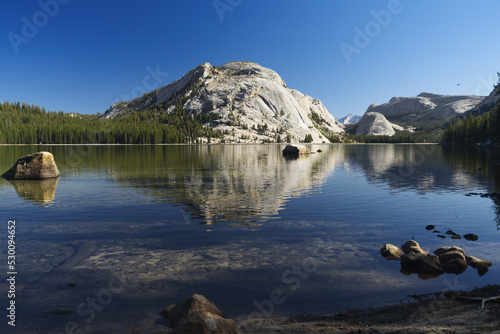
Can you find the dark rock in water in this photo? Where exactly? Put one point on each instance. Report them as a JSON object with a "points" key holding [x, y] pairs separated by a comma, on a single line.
{"points": [[477, 263], [295, 150], [448, 256], [454, 266], [58, 311], [436, 231], [412, 247], [191, 304], [420, 264], [450, 232], [441, 236], [166, 311], [456, 237], [430, 227], [447, 249], [200, 322], [471, 237], [391, 252], [71, 284], [36, 166]]}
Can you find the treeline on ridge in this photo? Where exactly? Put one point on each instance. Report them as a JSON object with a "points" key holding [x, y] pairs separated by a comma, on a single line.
{"points": [[476, 126], [21, 123]]}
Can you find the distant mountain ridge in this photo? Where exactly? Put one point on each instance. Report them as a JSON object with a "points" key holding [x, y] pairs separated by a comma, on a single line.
{"points": [[426, 106], [247, 102], [350, 119]]}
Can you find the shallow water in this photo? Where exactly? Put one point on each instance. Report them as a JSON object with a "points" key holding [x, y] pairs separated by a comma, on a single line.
{"points": [[137, 228]]}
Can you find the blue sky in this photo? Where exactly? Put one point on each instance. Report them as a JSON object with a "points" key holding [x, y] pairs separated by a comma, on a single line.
{"points": [[81, 56]]}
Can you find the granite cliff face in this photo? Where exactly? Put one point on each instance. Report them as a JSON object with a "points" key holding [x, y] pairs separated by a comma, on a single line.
{"points": [[375, 124], [426, 107], [250, 103]]}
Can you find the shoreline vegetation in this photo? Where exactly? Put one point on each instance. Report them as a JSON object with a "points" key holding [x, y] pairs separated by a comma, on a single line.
{"points": [[23, 124]]}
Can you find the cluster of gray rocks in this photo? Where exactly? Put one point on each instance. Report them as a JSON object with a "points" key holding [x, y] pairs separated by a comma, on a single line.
{"points": [[450, 260]]}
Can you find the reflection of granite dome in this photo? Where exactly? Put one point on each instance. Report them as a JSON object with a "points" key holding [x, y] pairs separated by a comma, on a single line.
{"points": [[230, 183], [247, 183]]}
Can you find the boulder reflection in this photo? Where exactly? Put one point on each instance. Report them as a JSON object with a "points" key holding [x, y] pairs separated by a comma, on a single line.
{"points": [[40, 192]]}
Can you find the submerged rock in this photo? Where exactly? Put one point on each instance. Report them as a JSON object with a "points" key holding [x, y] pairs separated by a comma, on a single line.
{"points": [[430, 227], [471, 237], [36, 166], [455, 266], [391, 252], [295, 150]]}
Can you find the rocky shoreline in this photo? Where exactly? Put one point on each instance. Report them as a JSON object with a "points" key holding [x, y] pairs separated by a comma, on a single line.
{"points": [[458, 312]]}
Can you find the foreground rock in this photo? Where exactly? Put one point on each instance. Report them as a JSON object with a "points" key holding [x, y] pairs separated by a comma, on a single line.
{"points": [[391, 252], [295, 150], [425, 265], [412, 247], [36, 166], [196, 314], [450, 260]]}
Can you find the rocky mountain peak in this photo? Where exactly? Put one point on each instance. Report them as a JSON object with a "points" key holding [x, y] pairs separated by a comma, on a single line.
{"points": [[246, 101]]}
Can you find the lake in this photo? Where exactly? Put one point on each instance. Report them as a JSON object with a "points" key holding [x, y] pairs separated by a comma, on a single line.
{"points": [[128, 230]]}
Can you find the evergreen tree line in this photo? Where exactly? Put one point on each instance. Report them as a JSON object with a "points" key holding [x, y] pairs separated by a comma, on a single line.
{"points": [[476, 127], [21, 123]]}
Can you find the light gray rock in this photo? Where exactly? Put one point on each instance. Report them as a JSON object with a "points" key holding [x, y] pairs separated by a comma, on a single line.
{"points": [[36, 166], [375, 124], [241, 93]]}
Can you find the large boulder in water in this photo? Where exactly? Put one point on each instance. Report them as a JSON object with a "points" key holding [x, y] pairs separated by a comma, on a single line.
{"points": [[36, 166], [295, 150]]}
